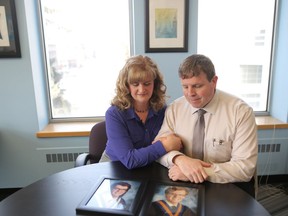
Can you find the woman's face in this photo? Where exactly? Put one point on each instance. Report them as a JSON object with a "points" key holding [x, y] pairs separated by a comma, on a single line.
{"points": [[141, 92]]}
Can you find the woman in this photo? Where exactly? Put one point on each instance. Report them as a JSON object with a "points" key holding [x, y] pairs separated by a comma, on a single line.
{"points": [[136, 115]]}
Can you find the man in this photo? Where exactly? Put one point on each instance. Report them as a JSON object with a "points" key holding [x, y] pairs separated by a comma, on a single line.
{"points": [[113, 199], [171, 205], [230, 133]]}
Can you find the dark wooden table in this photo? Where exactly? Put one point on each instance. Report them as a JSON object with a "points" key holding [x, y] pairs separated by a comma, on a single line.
{"points": [[60, 193]]}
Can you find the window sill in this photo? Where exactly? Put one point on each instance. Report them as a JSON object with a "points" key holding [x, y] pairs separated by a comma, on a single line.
{"points": [[66, 129], [82, 129], [268, 122]]}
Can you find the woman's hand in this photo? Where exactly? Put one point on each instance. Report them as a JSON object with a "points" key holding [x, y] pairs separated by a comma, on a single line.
{"points": [[171, 142]]}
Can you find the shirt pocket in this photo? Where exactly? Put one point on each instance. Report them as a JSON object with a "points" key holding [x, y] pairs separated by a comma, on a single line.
{"points": [[219, 150]]}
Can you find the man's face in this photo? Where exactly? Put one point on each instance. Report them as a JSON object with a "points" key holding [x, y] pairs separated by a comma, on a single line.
{"points": [[119, 190], [198, 91], [176, 196]]}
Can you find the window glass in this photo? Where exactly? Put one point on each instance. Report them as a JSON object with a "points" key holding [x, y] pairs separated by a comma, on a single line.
{"points": [[237, 36], [86, 43]]}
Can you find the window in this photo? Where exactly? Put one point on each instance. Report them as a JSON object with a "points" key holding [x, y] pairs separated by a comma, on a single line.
{"points": [[85, 46], [237, 35], [84, 40]]}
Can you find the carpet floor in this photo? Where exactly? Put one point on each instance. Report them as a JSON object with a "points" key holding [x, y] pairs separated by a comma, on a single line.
{"points": [[274, 198]]}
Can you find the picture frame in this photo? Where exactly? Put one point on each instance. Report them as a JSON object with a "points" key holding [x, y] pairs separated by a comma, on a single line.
{"points": [[190, 198], [99, 200], [166, 28], [9, 36]]}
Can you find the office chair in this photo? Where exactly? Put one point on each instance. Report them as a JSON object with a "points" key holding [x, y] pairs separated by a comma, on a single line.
{"points": [[97, 143]]}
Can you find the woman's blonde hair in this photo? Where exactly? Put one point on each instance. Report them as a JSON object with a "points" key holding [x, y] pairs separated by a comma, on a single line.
{"points": [[138, 69]]}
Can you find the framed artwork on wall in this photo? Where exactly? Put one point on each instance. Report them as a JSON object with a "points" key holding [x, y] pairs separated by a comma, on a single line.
{"points": [[166, 25], [9, 37]]}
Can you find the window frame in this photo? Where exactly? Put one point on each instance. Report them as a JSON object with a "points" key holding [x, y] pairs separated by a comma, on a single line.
{"points": [[45, 58], [266, 112], [132, 52]]}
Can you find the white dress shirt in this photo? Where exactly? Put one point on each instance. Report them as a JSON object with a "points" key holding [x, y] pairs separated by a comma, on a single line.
{"points": [[230, 143], [106, 200]]}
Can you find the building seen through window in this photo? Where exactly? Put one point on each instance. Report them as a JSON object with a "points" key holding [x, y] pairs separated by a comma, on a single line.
{"points": [[238, 37], [85, 46]]}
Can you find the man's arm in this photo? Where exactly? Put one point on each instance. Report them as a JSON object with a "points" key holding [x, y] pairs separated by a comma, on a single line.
{"points": [[242, 164], [167, 128], [188, 169], [240, 168]]}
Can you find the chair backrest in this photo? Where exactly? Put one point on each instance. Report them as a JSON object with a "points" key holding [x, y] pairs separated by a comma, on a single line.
{"points": [[97, 141]]}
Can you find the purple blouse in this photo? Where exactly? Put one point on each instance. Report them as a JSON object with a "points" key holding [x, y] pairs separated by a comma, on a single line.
{"points": [[129, 140]]}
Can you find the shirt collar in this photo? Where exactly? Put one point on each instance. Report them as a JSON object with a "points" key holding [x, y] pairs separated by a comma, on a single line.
{"points": [[170, 204], [211, 107]]}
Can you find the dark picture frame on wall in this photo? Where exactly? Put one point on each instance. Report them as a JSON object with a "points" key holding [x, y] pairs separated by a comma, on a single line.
{"points": [[112, 196], [166, 28], [9, 36]]}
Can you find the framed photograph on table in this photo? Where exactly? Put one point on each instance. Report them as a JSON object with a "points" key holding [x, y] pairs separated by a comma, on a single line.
{"points": [[166, 25], [9, 37], [112, 197], [174, 199]]}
